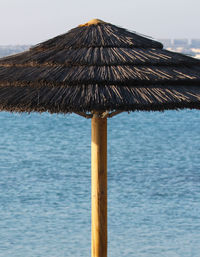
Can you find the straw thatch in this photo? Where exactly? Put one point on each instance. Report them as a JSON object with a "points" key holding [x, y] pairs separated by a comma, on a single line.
{"points": [[99, 66]]}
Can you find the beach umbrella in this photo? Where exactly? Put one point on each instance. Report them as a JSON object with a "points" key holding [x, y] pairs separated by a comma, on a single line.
{"points": [[98, 70]]}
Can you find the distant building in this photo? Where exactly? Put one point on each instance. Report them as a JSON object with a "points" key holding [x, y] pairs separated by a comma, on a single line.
{"points": [[181, 42], [195, 43]]}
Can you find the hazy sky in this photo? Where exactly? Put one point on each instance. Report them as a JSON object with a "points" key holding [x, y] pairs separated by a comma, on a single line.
{"points": [[33, 21]]}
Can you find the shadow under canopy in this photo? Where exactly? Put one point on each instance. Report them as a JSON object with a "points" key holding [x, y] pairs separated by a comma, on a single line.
{"points": [[98, 70]]}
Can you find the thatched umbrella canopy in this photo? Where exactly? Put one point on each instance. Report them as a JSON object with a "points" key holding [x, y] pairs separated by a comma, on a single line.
{"points": [[99, 67], [98, 70]]}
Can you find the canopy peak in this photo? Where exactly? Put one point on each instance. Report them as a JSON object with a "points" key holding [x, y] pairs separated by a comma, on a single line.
{"points": [[92, 22]]}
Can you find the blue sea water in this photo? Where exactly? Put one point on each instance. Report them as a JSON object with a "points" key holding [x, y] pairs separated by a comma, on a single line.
{"points": [[153, 185]]}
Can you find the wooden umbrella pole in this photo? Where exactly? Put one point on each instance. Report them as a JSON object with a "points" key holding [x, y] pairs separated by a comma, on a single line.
{"points": [[99, 186]]}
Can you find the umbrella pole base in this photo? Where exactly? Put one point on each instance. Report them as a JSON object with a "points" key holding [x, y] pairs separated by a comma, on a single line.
{"points": [[99, 186]]}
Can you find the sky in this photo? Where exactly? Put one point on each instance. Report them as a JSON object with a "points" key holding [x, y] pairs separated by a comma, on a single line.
{"points": [[33, 21]]}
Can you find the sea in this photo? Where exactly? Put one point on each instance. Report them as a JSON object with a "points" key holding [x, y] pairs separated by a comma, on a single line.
{"points": [[153, 185]]}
